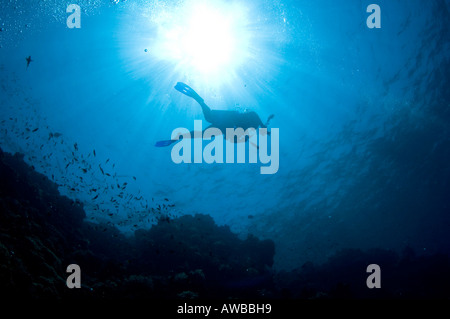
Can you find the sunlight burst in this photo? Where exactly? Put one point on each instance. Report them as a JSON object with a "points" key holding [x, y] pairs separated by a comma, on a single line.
{"points": [[210, 38]]}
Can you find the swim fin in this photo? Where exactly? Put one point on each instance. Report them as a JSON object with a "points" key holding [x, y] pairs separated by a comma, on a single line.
{"points": [[164, 143], [187, 90]]}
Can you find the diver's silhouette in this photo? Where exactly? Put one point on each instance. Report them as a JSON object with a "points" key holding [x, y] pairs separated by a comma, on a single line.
{"points": [[28, 61], [220, 119]]}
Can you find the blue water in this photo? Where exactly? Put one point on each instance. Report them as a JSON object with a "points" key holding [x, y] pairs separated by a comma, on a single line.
{"points": [[363, 116]]}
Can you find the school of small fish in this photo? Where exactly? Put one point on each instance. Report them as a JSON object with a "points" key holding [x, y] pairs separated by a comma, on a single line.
{"points": [[107, 196]]}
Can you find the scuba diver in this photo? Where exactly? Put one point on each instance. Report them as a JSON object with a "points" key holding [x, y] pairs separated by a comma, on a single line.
{"points": [[220, 119]]}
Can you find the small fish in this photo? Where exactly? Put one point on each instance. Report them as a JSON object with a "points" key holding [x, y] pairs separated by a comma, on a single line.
{"points": [[166, 199], [96, 196], [101, 169], [37, 128], [134, 177], [28, 61], [93, 152]]}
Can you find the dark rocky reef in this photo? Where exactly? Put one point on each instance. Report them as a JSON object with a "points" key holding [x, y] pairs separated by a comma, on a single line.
{"points": [[42, 232], [38, 229], [343, 276]]}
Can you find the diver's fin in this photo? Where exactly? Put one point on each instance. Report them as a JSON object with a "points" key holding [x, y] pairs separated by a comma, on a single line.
{"points": [[165, 143], [187, 90]]}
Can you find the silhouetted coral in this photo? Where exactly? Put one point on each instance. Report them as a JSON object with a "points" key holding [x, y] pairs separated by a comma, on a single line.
{"points": [[189, 257]]}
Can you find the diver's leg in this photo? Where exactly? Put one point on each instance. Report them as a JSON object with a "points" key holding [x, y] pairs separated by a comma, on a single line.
{"points": [[203, 132], [206, 112]]}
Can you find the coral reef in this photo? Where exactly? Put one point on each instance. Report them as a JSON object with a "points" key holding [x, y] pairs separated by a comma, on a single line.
{"points": [[188, 257], [41, 233]]}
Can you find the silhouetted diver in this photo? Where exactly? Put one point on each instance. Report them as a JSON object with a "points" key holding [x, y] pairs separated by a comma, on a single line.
{"points": [[220, 119], [28, 61]]}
